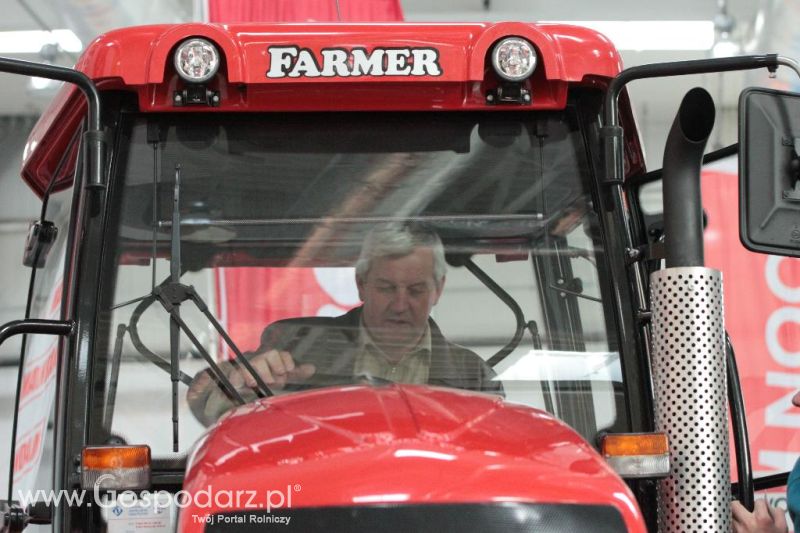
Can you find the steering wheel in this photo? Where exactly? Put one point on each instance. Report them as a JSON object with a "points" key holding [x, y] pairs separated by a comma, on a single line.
{"points": [[321, 380]]}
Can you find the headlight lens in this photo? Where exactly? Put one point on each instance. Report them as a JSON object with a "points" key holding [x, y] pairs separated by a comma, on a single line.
{"points": [[196, 60], [514, 59]]}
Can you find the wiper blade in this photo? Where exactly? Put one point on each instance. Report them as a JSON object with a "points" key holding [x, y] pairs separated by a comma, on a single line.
{"points": [[175, 311]]}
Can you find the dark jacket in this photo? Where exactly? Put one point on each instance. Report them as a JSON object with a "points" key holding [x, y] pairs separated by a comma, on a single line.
{"points": [[331, 344]]}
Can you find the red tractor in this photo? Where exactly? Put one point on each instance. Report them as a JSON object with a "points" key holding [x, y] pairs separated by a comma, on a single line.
{"points": [[201, 182]]}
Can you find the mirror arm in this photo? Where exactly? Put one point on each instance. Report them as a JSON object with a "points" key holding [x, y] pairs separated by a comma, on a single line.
{"points": [[94, 137], [679, 68], [790, 63]]}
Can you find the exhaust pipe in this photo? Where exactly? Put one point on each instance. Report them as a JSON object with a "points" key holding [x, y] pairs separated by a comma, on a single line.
{"points": [[688, 332], [683, 155]]}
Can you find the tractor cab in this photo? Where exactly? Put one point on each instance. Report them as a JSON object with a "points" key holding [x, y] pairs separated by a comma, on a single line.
{"points": [[209, 188]]}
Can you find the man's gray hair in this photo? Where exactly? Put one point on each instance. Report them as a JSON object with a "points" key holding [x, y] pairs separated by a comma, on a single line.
{"points": [[394, 240]]}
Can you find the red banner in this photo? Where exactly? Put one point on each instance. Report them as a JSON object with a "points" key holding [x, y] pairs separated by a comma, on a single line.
{"points": [[762, 314], [249, 299], [233, 11]]}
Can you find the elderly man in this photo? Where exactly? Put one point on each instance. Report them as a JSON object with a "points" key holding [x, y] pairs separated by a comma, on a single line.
{"points": [[400, 276]]}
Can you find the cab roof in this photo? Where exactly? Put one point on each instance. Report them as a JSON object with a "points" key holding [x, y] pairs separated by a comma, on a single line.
{"points": [[139, 59]]}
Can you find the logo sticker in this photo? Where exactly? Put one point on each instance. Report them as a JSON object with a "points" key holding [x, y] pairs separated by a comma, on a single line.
{"points": [[296, 62]]}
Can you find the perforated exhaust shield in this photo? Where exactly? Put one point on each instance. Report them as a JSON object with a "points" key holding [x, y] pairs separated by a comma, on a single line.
{"points": [[691, 398]]}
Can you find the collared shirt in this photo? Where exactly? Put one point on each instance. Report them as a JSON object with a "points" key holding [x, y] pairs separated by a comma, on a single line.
{"points": [[414, 367]]}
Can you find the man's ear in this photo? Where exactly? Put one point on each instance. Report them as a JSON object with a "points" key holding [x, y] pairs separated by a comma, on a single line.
{"points": [[439, 290], [360, 287]]}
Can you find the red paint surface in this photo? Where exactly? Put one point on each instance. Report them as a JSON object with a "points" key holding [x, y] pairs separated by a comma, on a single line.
{"points": [[411, 444], [248, 299], [140, 60], [773, 422]]}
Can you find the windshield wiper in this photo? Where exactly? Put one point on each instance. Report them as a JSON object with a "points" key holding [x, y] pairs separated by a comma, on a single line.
{"points": [[171, 293]]}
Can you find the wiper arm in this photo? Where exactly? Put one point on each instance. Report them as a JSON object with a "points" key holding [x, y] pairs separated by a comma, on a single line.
{"points": [[111, 397], [133, 330], [171, 294]]}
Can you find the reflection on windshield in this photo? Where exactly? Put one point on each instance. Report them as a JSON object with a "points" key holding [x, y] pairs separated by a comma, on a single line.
{"points": [[266, 257]]}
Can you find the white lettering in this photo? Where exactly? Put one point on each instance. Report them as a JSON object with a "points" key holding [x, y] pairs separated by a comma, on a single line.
{"points": [[296, 62], [334, 63], [367, 66], [776, 350], [397, 62], [306, 65], [271, 504], [775, 284], [251, 499], [280, 60], [777, 460], [205, 495], [781, 413], [425, 62]]}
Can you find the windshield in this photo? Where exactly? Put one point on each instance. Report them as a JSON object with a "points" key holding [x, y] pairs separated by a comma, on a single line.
{"points": [[253, 227]]}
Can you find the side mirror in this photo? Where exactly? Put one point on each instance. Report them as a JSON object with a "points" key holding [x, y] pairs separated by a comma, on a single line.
{"points": [[41, 236], [769, 171]]}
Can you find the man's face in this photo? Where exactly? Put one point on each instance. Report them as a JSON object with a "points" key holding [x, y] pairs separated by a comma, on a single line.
{"points": [[398, 294]]}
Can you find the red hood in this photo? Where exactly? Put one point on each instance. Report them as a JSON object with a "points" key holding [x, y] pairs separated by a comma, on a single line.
{"points": [[400, 443]]}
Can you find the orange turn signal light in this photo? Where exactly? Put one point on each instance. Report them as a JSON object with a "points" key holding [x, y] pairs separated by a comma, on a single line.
{"points": [[105, 457], [115, 467], [635, 444], [637, 455]]}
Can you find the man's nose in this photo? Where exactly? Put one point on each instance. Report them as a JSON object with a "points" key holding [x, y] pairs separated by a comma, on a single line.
{"points": [[399, 301]]}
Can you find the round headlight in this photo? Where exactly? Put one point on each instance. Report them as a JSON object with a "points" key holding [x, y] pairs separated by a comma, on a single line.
{"points": [[514, 59], [196, 60]]}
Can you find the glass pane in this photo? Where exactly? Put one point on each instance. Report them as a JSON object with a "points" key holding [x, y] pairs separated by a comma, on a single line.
{"points": [[273, 212], [34, 455]]}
